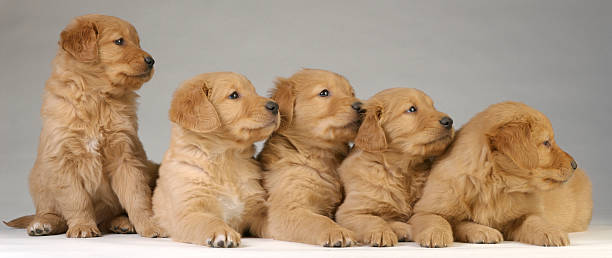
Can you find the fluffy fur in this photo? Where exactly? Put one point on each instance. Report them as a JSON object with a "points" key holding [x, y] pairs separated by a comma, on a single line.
{"points": [[91, 164], [209, 190], [320, 115], [504, 177], [384, 174]]}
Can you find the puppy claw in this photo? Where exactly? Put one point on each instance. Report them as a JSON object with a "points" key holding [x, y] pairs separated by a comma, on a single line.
{"points": [[382, 239], [435, 237], [83, 231]]}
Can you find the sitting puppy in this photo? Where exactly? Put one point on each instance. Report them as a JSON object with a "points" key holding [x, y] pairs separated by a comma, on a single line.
{"points": [[91, 166], [384, 175], [209, 190], [320, 115], [503, 177]]}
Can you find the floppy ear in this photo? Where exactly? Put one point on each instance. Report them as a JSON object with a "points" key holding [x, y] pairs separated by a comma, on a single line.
{"points": [[191, 109], [284, 96], [514, 140], [371, 136], [80, 40]]}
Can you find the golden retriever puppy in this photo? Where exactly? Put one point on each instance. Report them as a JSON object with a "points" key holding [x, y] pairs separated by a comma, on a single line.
{"points": [[503, 177], [209, 190], [385, 173], [91, 167], [320, 115]]}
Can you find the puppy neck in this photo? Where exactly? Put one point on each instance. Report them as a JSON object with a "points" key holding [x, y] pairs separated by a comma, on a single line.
{"points": [[88, 77], [212, 145], [397, 160], [314, 147]]}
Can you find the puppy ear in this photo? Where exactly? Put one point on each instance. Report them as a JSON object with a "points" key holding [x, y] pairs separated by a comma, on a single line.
{"points": [[514, 140], [80, 40], [284, 96], [371, 136], [191, 109]]}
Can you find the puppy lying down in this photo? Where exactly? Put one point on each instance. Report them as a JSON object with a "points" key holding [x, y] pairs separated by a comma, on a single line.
{"points": [[504, 177], [209, 189], [320, 115], [384, 174]]}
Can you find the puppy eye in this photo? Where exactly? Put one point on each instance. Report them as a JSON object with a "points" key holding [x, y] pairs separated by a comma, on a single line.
{"points": [[119, 42], [324, 93], [546, 143], [234, 95], [411, 109]]}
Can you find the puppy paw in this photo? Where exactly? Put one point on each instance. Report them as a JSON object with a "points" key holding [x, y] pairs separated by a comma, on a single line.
{"points": [[83, 231], [337, 237], [381, 239], [121, 225], [402, 230], [148, 228], [434, 237], [478, 234], [223, 237], [38, 228], [550, 237]]}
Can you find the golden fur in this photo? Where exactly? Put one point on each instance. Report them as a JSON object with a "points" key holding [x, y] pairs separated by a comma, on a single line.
{"points": [[504, 177], [91, 164], [384, 174], [301, 158], [209, 190]]}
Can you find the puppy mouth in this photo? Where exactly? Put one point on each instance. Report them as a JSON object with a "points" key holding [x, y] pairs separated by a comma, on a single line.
{"points": [[440, 139], [265, 125], [140, 75]]}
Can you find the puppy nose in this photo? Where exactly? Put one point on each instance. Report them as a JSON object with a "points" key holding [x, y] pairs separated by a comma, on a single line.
{"points": [[272, 106], [447, 122], [574, 164], [357, 106], [150, 61]]}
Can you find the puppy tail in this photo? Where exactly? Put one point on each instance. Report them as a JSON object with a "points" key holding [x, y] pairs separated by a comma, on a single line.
{"points": [[21, 222]]}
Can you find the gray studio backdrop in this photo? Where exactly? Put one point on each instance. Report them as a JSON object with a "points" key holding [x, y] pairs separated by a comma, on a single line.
{"points": [[553, 55]]}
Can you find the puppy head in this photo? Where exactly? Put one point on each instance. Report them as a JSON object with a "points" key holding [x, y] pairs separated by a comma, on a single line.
{"points": [[319, 104], [109, 45], [404, 120], [524, 145], [224, 104]]}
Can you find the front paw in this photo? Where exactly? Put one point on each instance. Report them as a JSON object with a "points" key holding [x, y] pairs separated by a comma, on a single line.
{"points": [[337, 237], [478, 234], [380, 239], [83, 231], [148, 228], [223, 236], [550, 237], [434, 237]]}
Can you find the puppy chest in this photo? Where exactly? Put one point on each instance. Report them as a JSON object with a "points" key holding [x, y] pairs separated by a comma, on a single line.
{"points": [[232, 207]]}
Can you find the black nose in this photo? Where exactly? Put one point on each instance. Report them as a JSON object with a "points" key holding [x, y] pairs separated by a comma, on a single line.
{"points": [[272, 106], [574, 164], [357, 105], [150, 61], [447, 122]]}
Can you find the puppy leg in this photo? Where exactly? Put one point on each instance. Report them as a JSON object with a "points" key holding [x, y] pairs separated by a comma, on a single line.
{"points": [[470, 232], [536, 230], [78, 210], [130, 181], [430, 230], [402, 230], [205, 229], [306, 226]]}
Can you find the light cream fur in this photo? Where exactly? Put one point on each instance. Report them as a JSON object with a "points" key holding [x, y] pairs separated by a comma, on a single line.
{"points": [[209, 191]]}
